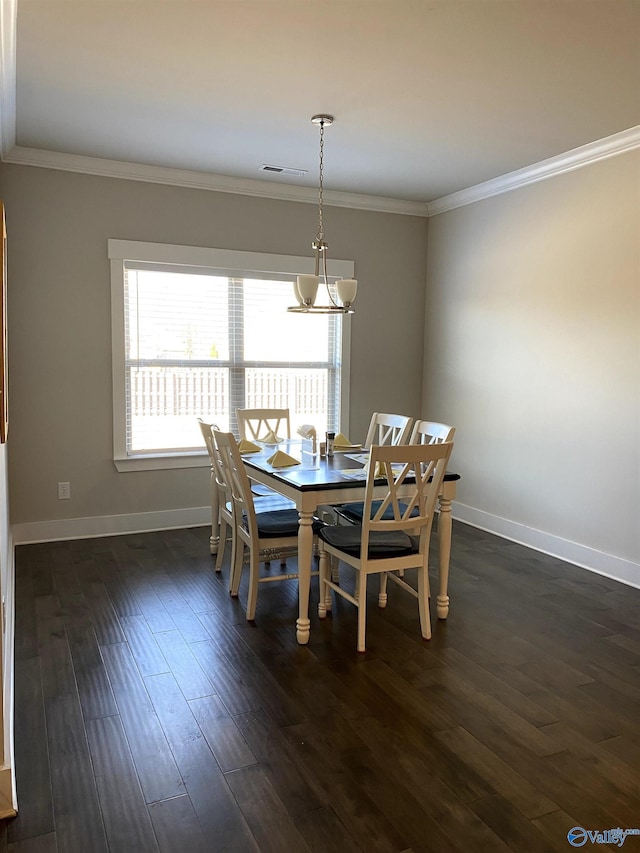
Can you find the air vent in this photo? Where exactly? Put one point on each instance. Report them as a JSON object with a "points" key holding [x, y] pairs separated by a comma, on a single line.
{"points": [[282, 170]]}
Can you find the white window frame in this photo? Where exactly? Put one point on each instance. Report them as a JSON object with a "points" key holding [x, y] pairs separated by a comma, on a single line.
{"points": [[233, 263]]}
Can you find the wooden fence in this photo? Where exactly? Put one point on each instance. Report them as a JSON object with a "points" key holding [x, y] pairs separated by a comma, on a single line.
{"points": [[177, 391]]}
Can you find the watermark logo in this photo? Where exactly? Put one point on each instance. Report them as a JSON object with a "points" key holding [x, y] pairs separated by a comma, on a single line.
{"points": [[578, 836]]}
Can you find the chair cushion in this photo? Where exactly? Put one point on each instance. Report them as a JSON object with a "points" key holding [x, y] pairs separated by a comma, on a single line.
{"points": [[381, 543], [353, 512], [281, 522]]}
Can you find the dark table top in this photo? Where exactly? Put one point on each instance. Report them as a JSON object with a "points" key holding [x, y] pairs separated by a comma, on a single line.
{"points": [[315, 472]]}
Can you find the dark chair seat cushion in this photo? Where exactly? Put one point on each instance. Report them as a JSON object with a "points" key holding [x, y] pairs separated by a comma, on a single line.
{"points": [[381, 543], [281, 522], [354, 512]]}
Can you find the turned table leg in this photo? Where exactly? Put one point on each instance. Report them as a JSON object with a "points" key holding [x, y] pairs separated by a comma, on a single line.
{"points": [[305, 557], [444, 543]]}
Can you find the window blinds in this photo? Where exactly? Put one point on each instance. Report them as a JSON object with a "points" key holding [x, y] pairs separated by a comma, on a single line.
{"points": [[202, 342]]}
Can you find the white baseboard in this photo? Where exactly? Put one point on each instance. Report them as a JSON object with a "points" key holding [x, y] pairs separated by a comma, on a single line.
{"points": [[609, 565], [8, 806], [616, 568], [110, 525]]}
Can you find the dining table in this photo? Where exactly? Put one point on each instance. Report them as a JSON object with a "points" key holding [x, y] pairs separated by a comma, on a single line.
{"points": [[319, 481]]}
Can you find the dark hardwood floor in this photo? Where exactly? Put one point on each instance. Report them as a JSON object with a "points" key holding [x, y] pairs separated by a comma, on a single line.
{"points": [[150, 716]]}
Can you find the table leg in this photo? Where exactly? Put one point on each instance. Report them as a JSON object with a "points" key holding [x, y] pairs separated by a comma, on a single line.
{"points": [[305, 557], [214, 539], [444, 545]]}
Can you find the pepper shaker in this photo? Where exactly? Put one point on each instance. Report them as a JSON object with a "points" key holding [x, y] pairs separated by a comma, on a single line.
{"points": [[330, 440]]}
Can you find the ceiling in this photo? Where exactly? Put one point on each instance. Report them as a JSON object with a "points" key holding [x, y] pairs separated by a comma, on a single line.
{"points": [[429, 96]]}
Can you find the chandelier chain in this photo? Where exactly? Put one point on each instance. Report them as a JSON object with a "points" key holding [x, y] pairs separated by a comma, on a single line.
{"points": [[320, 235]]}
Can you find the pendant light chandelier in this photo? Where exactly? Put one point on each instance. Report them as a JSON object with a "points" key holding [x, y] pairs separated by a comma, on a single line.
{"points": [[306, 286]]}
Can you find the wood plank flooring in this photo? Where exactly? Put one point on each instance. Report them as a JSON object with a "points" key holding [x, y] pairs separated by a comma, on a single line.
{"points": [[150, 716]]}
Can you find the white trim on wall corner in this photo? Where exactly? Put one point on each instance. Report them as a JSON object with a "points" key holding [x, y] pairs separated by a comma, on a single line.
{"points": [[616, 568], [618, 143]]}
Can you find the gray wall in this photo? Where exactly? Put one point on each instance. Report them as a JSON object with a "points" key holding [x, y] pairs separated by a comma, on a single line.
{"points": [[531, 344], [532, 349], [60, 338]]}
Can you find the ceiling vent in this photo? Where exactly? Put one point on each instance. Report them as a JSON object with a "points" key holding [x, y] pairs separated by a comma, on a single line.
{"points": [[282, 170]]}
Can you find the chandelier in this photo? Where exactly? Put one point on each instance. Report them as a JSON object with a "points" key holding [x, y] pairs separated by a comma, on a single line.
{"points": [[306, 286]]}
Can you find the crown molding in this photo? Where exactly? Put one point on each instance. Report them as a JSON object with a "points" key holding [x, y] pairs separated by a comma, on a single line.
{"points": [[593, 152], [611, 146], [205, 181]]}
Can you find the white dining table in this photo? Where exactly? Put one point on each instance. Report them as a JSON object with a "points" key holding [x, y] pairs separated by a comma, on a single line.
{"points": [[318, 481]]}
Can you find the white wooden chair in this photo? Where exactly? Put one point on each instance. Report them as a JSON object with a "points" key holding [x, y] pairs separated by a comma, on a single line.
{"points": [[225, 524], [383, 430], [220, 497], [388, 429], [260, 536], [430, 432], [255, 424], [423, 432], [389, 545]]}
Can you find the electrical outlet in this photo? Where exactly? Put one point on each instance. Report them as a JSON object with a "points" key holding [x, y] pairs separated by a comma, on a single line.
{"points": [[64, 491]]}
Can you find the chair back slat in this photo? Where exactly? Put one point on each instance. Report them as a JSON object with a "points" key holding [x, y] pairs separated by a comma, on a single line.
{"points": [[401, 505], [386, 429], [255, 424]]}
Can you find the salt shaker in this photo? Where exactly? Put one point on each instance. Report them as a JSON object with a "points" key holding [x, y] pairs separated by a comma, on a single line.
{"points": [[330, 440]]}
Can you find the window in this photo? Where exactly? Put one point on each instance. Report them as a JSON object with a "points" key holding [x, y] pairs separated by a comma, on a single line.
{"points": [[201, 332]]}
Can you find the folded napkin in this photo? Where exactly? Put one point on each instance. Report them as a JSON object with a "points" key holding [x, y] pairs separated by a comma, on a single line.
{"points": [[307, 431], [379, 472], [248, 446], [341, 440], [271, 438], [280, 459]]}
